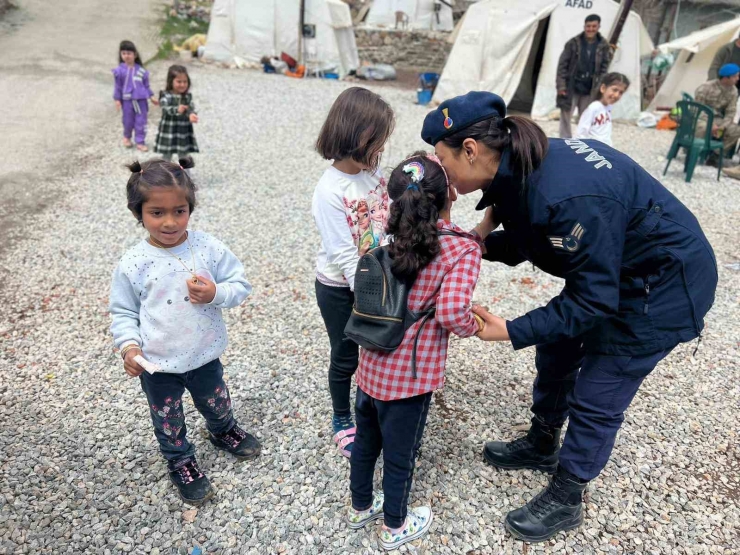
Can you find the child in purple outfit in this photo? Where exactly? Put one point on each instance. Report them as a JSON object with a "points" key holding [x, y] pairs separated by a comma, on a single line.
{"points": [[131, 92]]}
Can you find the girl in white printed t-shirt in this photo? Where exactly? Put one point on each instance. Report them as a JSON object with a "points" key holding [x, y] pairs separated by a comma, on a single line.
{"points": [[596, 120], [350, 208]]}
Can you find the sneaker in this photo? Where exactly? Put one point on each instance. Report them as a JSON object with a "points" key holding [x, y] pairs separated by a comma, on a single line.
{"points": [[192, 485], [358, 519], [242, 445], [417, 524], [344, 433]]}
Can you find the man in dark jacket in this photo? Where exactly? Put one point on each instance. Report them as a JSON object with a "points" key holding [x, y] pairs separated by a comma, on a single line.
{"points": [[584, 61]]}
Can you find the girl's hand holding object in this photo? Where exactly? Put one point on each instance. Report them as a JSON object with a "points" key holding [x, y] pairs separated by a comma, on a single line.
{"points": [[193, 118], [130, 365], [182, 108], [202, 292]]}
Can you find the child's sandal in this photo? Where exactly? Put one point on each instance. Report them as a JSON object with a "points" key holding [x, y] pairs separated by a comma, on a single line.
{"points": [[142, 148], [343, 438]]}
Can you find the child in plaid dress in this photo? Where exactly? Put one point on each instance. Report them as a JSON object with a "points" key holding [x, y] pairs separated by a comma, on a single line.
{"points": [[392, 404], [176, 135]]}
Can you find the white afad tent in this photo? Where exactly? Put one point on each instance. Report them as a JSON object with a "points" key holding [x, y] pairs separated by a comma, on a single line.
{"points": [[512, 49], [434, 15], [247, 30], [691, 68]]}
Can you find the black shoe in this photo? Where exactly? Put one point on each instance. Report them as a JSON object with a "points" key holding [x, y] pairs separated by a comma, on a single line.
{"points": [[538, 450], [192, 485], [713, 161], [242, 445], [558, 507]]}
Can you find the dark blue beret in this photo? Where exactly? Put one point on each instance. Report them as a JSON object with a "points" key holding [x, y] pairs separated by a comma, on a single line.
{"points": [[460, 112]]}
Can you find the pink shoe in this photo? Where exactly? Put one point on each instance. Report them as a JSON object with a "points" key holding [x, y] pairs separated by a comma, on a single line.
{"points": [[344, 438]]}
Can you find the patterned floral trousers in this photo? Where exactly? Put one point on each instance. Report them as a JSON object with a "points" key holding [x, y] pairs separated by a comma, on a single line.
{"points": [[210, 396]]}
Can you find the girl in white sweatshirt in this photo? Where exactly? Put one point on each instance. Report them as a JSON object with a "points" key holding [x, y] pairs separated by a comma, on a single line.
{"points": [[166, 300], [350, 208], [596, 120]]}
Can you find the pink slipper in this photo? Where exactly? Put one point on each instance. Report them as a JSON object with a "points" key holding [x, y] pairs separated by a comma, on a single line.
{"points": [[343, 438]]}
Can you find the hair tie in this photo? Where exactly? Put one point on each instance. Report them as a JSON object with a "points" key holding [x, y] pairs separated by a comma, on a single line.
{"points": [[413, 187]]}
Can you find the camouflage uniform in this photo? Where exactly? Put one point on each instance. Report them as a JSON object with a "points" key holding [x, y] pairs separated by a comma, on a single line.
{"points": [[723, 100]]}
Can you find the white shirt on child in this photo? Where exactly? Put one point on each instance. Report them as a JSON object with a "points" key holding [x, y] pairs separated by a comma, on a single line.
{"points": [[150, 306], [596, 123], [351, 213]]}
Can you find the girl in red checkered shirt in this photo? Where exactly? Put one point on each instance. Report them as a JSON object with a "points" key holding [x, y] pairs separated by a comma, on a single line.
{"points": [[392, 404]]}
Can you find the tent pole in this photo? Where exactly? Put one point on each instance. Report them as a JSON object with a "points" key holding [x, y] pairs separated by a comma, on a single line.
{"points": [[624, 10], [301, 23]]}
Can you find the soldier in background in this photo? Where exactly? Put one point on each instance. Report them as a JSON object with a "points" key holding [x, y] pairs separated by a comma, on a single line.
{"points": [[721, 96], [727, 54]]}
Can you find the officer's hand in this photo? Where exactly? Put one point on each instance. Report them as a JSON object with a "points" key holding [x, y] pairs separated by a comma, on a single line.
{"points": [[487, 225], [495, 327], [563, 93]]}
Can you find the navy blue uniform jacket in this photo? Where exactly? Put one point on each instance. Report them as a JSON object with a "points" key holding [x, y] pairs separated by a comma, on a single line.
{"points": [[639, 273]]}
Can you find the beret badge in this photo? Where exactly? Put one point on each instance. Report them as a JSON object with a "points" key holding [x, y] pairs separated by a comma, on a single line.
{"points": [[448, 120]]}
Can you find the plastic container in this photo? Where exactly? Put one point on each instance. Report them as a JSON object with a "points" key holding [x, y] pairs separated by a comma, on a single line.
{"points": [[331, 75], [423, 96], [428, 80]]}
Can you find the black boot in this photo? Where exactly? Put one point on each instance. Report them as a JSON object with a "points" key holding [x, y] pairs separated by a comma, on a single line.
{"points": [[242, 445], [538, 450], [713, 161], [558, 507], [192, 485]]}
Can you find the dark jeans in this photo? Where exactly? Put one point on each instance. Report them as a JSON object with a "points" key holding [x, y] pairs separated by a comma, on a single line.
{"points": [[395, 427], [210, 396], [335, 304], [594, 398]]}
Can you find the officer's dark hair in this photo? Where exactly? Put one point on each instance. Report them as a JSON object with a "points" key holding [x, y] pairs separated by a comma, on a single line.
{"points": [[413, 216], [129, 46], [593, 17], [172, 74], [145, 176], [526, 140], [359, 123]]}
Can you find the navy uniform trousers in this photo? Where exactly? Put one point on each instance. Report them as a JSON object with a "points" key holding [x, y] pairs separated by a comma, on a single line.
{"points": [[593, 391]]}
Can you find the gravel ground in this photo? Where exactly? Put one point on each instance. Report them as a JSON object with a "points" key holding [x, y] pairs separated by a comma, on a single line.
{"points": [[80, 471]]}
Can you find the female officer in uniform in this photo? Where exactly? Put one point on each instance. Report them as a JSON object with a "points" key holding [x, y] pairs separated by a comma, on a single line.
{"points": [[639, 278]]}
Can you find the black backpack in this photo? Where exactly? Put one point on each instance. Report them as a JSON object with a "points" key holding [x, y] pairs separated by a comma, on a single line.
{"points": [[380, 315]]}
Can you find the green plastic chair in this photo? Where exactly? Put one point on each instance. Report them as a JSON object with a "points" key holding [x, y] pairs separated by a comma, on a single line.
{"points": [[687, 97], [697, 148]]}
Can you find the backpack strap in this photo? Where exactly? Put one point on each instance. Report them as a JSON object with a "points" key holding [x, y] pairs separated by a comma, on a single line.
{"points": [[427, 316], [413, 317]]}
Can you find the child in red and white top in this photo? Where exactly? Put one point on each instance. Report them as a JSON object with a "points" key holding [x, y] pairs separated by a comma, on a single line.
{"points": [[596, 120], [392, 403]]}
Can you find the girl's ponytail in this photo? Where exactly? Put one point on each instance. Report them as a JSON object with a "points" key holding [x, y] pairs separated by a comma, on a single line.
{"points": [[414, 214], [186, 162]]}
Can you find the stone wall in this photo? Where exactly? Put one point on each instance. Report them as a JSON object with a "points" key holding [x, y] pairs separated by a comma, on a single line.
{"points": [[417, 50]]}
